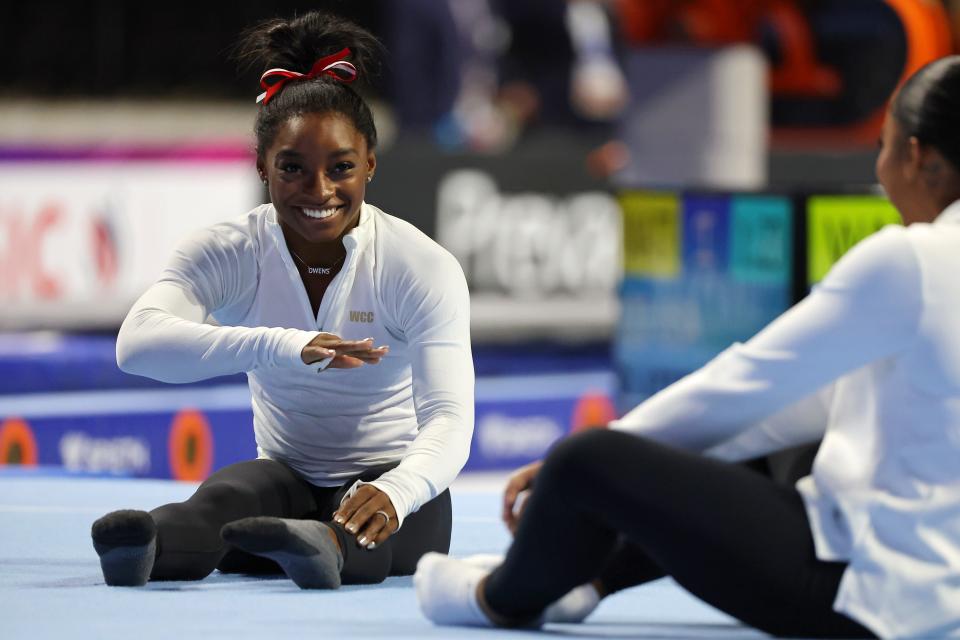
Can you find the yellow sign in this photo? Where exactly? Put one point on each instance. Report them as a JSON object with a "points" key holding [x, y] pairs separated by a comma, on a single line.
{"points": [[836, 223], [651, 234]]}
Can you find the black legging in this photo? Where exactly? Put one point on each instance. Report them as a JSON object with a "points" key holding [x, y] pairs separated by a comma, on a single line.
{"points": [[189, 546], [730, 536]]}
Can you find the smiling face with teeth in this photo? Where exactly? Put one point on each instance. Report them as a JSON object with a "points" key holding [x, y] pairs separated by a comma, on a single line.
{"points": [[317, 170]]}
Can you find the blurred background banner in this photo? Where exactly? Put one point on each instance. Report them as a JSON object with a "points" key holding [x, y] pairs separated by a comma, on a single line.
{"points": [[705, 270], [684, 126], [629, 185], [80, 239]]}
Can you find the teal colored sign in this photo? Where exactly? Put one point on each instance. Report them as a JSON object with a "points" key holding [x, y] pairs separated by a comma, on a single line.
{"points": [[761, 248]]}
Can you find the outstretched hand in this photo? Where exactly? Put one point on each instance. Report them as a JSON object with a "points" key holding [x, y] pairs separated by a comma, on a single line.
{"points": [[519, 483], [369, 515], [346, 354]]}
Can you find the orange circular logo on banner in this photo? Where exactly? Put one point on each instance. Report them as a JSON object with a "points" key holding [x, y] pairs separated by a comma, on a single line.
{"points": [[17, 444], [592, 410], [191, 446]]}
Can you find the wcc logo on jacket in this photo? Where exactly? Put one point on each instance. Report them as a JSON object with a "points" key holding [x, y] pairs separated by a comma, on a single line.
{"points": [[361, 316]]}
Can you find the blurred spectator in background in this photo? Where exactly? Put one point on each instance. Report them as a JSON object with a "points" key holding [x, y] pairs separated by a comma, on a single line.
{"points": [[833, 61], [495, 66], [486, 68]]}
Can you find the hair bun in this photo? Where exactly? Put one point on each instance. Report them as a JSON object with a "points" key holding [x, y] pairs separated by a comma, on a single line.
{"points": [[295, 44]]}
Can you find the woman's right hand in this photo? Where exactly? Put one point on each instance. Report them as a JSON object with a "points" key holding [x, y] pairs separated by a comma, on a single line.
{"points": [[347, 354], [520, 482]]}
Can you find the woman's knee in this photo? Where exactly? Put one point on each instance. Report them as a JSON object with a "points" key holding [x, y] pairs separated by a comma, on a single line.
{"points": [[253, 472], [581, 452], [254, 487], [223, 495], [587, 447], [588, 459]]}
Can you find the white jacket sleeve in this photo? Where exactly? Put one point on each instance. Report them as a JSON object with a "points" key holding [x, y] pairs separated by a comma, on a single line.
{"points": [[868, 307], [435, 312], [164, 335], [803, 422]]}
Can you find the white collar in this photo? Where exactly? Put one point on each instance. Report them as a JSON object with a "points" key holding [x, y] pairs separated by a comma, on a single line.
{"points": [[356, 238], [949, 215]]}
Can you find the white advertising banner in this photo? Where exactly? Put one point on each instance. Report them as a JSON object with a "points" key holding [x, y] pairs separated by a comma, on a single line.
{"points": [[80, 240], [539, 265]]}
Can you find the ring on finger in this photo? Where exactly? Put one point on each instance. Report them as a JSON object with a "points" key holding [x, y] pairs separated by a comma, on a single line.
{"points": [[386, 516]]}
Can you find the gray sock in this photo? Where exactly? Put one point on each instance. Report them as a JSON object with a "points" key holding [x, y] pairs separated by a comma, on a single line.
{"points": [[126, 542], [303, 548]]}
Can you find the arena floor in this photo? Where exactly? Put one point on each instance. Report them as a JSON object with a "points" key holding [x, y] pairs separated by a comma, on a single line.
{"points": [[51, 587]]}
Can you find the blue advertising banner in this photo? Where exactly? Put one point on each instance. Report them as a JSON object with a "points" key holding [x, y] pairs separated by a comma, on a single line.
{"points": [[735, 276], [705, 231], [518, 418], [163, 433], [187, 433]]}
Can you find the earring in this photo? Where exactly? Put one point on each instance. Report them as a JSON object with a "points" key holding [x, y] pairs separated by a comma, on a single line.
{"points": [[370, 178]]}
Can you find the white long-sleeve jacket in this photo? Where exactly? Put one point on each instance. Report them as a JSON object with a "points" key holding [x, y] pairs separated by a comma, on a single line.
{"points": [[396, 285]]}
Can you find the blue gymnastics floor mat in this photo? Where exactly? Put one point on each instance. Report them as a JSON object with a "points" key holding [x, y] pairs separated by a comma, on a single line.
{"points": [[51, 586]]}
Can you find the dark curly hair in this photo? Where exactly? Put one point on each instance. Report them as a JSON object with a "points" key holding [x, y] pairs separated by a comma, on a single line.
{"points": [[297, 43], [928, 107]]}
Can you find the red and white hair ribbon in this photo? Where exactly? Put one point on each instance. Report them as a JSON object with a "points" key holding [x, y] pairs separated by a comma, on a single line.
{"points": [[335, 66]]}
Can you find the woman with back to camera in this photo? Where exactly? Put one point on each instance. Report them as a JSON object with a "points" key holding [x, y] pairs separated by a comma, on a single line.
{"points": [[357, 443], [869, 543]]}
